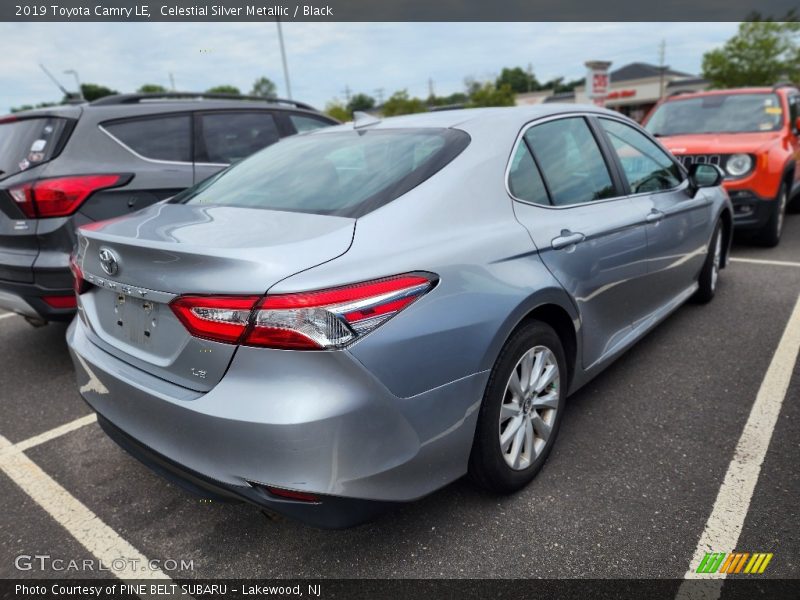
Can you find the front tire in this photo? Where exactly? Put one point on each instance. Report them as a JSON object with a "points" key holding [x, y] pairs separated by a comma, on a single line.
{"points": [[521, 410], [709, 274], [770, 235]]}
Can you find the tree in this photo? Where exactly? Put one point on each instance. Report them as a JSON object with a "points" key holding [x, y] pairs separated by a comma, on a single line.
{"points": [[16, 109], [360, 102], [151, 88], [224, 89], [761, 53], [558, 85], [400, 103], [92, 91], [490, 95], [338, 111], [264, 87], [453, 99], [518, 79]]}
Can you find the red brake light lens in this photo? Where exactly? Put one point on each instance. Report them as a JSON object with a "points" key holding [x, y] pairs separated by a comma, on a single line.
{"points": [[317, 320], [61, 196], [61, 301]]}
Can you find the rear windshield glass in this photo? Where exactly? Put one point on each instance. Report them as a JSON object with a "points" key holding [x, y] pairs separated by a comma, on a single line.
{"points": [[28, 142], [346, 173], [718, 113]]}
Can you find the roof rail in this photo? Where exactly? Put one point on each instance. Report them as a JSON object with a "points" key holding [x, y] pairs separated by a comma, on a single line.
{"points": [[157, 96]]}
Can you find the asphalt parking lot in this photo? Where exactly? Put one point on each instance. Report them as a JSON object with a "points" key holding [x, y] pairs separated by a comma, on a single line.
{"points": [[627, 491]]}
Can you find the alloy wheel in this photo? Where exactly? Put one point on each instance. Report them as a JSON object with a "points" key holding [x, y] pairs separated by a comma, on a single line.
{"points": [[528, 412]]}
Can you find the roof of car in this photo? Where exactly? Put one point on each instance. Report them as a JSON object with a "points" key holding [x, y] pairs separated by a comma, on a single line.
{"points": [[460, 118], [743, 90]]}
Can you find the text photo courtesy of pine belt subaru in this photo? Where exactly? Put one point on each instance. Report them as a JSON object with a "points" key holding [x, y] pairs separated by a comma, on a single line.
{"points": [[753, 134], [70, 165], [357, 316]]}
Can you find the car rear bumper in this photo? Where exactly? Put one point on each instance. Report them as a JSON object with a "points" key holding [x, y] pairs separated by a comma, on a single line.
{"points": [[315, 422], [750, 211], [28, 299]]}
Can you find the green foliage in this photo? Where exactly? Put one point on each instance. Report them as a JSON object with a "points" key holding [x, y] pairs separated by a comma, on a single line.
{"points": [[452, 99], [518, 79], [360, 102], [224, 89], [558, 85], [92, 91], [151, 88], [16, 109], [490, 95], [338, 111], [400, 103], [761, 53], [264, 87]]}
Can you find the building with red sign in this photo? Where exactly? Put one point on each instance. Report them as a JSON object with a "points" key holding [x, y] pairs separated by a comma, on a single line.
{"points": [[632, 89]]}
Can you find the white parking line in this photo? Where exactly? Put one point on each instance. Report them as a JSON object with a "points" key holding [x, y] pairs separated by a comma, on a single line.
{"points": [[762, 261], [49, 435], [724, 525]]}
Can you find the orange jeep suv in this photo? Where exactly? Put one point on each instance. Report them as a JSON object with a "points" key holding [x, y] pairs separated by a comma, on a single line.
{"points": [[752, 134]]}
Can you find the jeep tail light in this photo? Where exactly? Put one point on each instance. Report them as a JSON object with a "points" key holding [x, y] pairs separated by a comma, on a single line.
{"points": [[318, 320], [60, 196]]}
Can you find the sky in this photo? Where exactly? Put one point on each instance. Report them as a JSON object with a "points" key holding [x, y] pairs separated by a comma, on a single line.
{"points": [[326, 58]]}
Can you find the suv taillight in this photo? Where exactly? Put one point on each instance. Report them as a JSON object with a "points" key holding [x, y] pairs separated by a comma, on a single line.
{"points": [[319, 320], [60, 196]]}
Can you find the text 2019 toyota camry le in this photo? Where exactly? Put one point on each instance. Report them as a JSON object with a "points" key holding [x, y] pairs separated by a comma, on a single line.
{"points": [[357, 316]]}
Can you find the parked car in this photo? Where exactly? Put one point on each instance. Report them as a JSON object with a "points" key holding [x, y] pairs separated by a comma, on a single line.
{"points": [[357, 316], [67, 166], [751, 133]]}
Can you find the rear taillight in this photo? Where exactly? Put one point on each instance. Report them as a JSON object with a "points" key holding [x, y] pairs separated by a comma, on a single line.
{"points": [[60, 301], [79, 284], [61, 196], [317, 320]]}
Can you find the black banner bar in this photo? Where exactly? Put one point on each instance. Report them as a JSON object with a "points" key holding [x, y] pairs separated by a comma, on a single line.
{"points": [[392, 10]]}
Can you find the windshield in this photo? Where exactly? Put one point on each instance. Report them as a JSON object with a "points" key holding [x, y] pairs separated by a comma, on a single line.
{"points": [[718, 113], [28, 142], [346, 173]]}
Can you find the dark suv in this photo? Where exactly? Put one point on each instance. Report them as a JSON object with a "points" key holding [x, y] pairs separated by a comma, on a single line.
{"points": [[70, 165]]}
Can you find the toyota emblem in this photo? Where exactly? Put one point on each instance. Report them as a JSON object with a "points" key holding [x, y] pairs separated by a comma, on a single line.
{"points": [[109, 261]]}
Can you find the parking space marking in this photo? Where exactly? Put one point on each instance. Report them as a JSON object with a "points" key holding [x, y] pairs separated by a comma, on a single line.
{"points": [[49, 435], [762, 261], [724, 525], [86, 527]]}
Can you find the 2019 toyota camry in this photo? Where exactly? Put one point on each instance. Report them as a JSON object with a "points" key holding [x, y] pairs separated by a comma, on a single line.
{"points": [[357, 316]]}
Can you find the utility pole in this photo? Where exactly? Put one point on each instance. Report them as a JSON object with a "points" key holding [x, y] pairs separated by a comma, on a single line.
{"points": [[430, 88], [172, 82], [283, 58], [662, 51], [77, 82], [347, 93], [379, 95], [530, 77]]}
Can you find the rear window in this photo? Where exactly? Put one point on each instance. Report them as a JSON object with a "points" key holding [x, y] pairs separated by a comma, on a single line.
{"points": [[346, 173], [26, 143], [158, 138]]}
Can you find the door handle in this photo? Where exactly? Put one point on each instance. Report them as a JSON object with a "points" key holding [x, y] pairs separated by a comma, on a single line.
{"points": [[566, 239], [654, 216]]}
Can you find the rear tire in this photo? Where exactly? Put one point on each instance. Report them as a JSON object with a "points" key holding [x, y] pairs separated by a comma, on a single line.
{"points": [[521, 410], [770, 235], [709, 274]]}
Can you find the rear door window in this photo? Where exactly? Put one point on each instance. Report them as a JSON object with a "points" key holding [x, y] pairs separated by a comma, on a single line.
{"points": [[25, 143], [228, 137], [167, 138], [571, 161]]}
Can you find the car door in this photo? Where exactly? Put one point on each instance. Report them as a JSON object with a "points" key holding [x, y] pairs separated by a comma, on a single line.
{"points": [[677, 218], [225, 137], [588, 234]]}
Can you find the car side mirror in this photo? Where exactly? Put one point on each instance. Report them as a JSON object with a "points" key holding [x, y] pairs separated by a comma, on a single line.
{"points": [[703, 175]]}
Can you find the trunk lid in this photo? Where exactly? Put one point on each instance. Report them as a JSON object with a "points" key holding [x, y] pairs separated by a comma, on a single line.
{"points": [[168, 250]]}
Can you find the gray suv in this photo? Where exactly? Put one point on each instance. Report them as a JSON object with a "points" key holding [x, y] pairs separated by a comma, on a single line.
{"points": [[67, 166]]}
